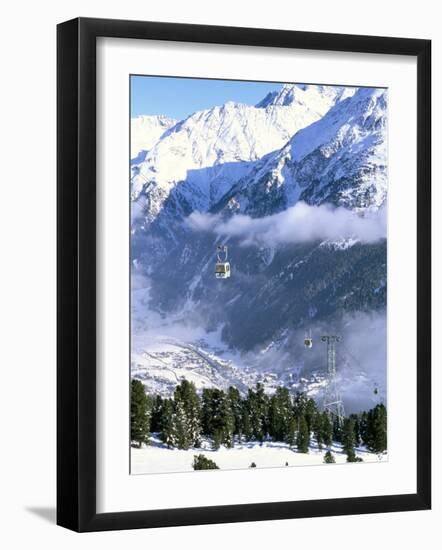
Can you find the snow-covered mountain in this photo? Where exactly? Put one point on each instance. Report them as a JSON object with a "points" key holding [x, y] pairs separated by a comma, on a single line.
{"points": [[340, 159], [196, 162], [313, 96], [145, 132], [318, 144]]}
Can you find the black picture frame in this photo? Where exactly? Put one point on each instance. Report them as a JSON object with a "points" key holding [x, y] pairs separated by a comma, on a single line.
{"points": [[76, 274]]}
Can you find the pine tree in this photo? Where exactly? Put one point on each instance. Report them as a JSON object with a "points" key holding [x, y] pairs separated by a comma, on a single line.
{"points": [[303, 436], [201, 462], [327, 428], [291, 434], [181, 427], [188, 406], [217, 417], [217, 438], [376, 430], [318, 429], [207, 411], [235, 403], [358, 439], [258, 404], [167, 432], [223, 420], [363, 427], [262, 402], [300, 404], [280, 414], [337, 429], [139, 414], [351, 456], [329, 458], [380, 429], [310, 412], [274, 418], [348, 434], [349, 438], [245, 421], [155, 421]]}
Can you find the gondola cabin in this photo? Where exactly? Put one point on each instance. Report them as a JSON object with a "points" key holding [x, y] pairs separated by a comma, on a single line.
{"points": [[222, 270], [308, 343], [222, 266]]}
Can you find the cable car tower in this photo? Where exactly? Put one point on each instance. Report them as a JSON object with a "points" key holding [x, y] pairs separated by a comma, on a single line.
{"points": [[332, 397]]}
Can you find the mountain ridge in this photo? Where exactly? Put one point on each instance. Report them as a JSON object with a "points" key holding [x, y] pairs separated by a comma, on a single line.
{"points": [[342, 154], [202, 156]]}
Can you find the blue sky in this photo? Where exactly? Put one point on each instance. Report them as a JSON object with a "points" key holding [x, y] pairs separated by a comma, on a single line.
{"points": [[180, 97]]}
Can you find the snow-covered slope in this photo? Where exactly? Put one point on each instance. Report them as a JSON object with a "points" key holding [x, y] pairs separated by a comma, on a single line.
{"points": [[156, 457], [197, 161], [145, 132], [340, 159]]}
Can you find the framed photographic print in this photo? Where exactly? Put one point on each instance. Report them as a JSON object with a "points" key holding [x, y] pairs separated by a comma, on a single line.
{"points": [[243, 274]]}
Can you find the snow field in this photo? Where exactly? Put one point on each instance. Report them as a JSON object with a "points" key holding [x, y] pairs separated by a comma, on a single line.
{"points": [[156, 458]]}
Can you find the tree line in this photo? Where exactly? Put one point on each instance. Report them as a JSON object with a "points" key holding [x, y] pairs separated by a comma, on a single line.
{"points": [[226, 417]]}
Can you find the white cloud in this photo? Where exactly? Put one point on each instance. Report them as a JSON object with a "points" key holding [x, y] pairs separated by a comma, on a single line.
{"points": [[298, 224], [203, 222]]}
